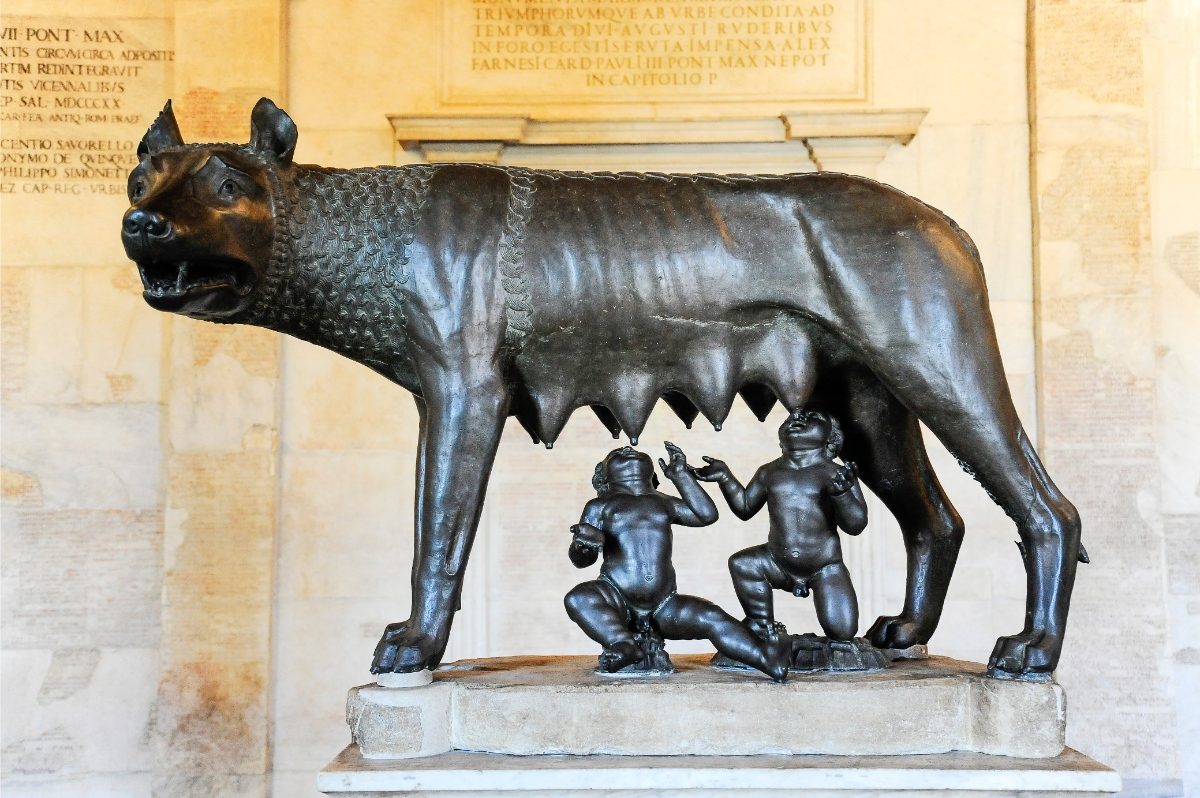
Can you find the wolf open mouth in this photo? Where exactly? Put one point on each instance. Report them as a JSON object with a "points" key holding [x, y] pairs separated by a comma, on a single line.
{"points": [[174, 279]]}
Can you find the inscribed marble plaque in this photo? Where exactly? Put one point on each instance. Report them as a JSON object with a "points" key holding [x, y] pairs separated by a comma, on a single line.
{"points": [[616, 51], [76, 95]]}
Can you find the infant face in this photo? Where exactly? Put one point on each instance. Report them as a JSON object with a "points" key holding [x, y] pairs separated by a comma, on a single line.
{"points": [[628, 465], [801, 431]]}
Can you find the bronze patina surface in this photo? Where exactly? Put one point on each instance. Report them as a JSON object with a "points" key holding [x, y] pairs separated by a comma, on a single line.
{"points": [[491, 292]]}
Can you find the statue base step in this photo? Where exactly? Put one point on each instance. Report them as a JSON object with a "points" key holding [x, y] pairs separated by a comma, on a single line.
{"points": [[558, 705], [462, 774]]}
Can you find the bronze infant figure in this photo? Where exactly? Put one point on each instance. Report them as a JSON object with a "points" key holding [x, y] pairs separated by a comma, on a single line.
{"points": [[629, 522], [490, 292], [807, 496]]}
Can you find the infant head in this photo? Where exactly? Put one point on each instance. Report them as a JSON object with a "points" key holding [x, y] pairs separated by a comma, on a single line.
{"points": [[626, 465], [808, 429]]}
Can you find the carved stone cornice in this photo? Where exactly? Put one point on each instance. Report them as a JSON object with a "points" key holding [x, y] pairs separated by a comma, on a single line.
{"points": [[836, 140]]}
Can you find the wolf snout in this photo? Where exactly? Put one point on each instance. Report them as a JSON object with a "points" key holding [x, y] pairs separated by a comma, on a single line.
{"points": [[141, 225]]}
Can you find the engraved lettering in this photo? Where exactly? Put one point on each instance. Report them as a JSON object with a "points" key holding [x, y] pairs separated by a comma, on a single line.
{"points": [[74, 97], [601, 50]]}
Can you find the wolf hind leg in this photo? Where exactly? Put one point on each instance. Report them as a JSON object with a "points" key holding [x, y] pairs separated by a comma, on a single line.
{"points": [[883, 437], [979, 424], [1050, 531]]}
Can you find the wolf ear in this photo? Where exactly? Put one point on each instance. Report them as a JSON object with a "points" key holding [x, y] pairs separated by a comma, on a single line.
{"points": [[272, 132], [163, 133]]}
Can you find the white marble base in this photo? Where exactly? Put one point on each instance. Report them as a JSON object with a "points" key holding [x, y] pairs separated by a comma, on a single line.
{"points": [[559, 705], [474, 775], [402, 680]]}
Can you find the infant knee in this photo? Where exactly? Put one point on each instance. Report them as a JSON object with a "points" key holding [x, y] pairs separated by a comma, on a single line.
{"points": [[841, 629], [839, 620], [744, 565], [578, 601]]}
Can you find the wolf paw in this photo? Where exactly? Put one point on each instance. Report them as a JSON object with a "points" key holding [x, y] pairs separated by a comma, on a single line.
{"points": [[1025, 655], [403, 649], [894, 631]]}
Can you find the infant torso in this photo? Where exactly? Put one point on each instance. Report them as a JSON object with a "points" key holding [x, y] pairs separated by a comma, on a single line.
{"points": [[803, 535], [637, 548]]}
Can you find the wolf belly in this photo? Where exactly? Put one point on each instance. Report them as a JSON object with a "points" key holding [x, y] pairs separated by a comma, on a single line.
{"points": [[684, 288]]}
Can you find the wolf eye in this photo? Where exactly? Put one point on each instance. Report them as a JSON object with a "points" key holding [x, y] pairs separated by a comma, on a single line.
{"points": [[229, 188], [138, 190]]}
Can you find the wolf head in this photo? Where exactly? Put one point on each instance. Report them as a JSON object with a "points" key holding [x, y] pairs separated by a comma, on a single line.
{"points": [[203, 219]]}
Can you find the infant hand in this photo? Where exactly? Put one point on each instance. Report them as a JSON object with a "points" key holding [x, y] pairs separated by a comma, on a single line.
{"points": [[588, 536], [678, 465], [845, 478], [715, 471]]}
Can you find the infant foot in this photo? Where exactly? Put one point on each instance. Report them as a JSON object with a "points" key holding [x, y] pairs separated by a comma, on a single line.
{"points": [[620, 655], [779, 658], [766, 629]]}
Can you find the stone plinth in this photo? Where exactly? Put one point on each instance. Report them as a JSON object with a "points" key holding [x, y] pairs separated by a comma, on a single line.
{"points": [[559, 705], [462, 774]]}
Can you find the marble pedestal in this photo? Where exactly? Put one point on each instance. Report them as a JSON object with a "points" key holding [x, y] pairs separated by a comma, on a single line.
{"points": [[552, 726], [462, 774]]}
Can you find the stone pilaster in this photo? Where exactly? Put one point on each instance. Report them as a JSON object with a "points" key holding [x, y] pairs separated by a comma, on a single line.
{"points": [[212, 729], [1097, 325]]}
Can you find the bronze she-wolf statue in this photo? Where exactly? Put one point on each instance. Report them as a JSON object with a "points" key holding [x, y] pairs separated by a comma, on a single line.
{"points": [[492, 292]]}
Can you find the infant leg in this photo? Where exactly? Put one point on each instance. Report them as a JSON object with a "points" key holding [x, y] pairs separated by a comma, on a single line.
{"points": [[601, 613], [693, 618], [755, 573], [835, 601]]}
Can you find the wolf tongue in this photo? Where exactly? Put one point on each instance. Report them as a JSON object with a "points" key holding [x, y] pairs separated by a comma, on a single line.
{"points": [[181, 278]]}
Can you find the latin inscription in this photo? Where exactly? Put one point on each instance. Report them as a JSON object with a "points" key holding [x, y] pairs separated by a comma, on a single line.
{"points": [[74, 95], [651, 50]]}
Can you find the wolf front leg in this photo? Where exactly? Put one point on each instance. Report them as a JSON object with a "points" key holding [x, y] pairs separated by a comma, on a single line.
{"points": [[460, 431]]}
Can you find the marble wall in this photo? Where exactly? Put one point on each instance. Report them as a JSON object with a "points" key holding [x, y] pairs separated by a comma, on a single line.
{"points": [[1114, 95], [84, 474], [140, 451], [232, 511]]}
